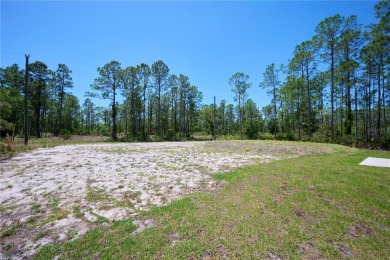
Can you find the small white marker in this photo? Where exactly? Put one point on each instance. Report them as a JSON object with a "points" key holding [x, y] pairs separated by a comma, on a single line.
{"points": [[380, 162]]}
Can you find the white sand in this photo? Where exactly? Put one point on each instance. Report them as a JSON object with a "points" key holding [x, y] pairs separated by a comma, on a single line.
{"points": [[104, 180]]}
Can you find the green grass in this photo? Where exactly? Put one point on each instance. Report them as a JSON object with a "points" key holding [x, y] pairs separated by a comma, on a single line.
{"points": [[77, 212], [9, 231], [56, 214], [4, 209], [42, 234], [318, 206], [71, 233], [97, 195], [36, 209]]}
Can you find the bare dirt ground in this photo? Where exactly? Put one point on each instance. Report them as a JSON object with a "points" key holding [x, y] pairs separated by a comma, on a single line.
{"points": [[59, 193]]}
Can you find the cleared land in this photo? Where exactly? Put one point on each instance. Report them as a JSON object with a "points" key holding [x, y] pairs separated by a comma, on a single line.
{"points": [[60, 193]]}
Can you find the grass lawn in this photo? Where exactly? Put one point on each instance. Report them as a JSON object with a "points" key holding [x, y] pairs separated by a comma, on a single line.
{"points": [[310, 207]]}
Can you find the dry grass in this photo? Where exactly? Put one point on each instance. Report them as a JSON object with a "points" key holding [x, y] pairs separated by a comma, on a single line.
{"points": [[10, 143], [14, 144]]}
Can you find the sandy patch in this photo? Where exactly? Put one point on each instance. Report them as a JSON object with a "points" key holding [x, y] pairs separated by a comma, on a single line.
{"points": [[59, 193]]}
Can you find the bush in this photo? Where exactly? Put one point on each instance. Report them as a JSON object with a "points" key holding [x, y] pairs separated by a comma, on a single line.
{"points": [[10, 143], [171, 135], [321, 136], [285, 137], [105, 133], [252, 129], [158, 139], [2, 147], [266, 136], [66, 135], [347, 140], [385, 143]]}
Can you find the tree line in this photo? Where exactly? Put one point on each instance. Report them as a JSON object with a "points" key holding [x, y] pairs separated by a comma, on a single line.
{"points": [[337, 83], [50, 108], [154, 102], [335, 88]]}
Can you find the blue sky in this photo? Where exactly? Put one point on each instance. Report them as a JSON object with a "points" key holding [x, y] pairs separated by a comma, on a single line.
{"points": [[206, 41]]}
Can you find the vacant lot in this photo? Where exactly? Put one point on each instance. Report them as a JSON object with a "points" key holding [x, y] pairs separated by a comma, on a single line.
{"points": [[58, 194]]}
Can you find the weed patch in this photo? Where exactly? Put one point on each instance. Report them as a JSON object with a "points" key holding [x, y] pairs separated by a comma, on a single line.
{"points": [[9, 231], [42, 234]]}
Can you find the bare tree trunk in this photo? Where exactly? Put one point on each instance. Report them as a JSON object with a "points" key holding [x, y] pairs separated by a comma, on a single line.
{"points": [[299, 107], [159, 109], [181, 114], [348, 111], [356, 116], [341, 110], [173, 111], [214, 136], [365, 123], [308, 100], [384, 103], [240, 115], [378, 122], [144, 114], [223, 120], [283, 126], [332, 94], [114, 112], [274, 93], [38, 121], [150, 116], [369, 110], [133, 113], [61, 102], [26, 103]]}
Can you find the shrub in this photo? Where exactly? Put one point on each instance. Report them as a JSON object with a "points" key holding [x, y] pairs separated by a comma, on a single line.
{"points": [[252, 129], [385, 143], [66, 134], [171, 135], [105, 133], [2, 147], [10, 143], [321, 136], [266, 136], [346, 140]]}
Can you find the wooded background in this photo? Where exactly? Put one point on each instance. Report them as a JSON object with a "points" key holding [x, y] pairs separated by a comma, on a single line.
{"points": [[334, 89]]}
